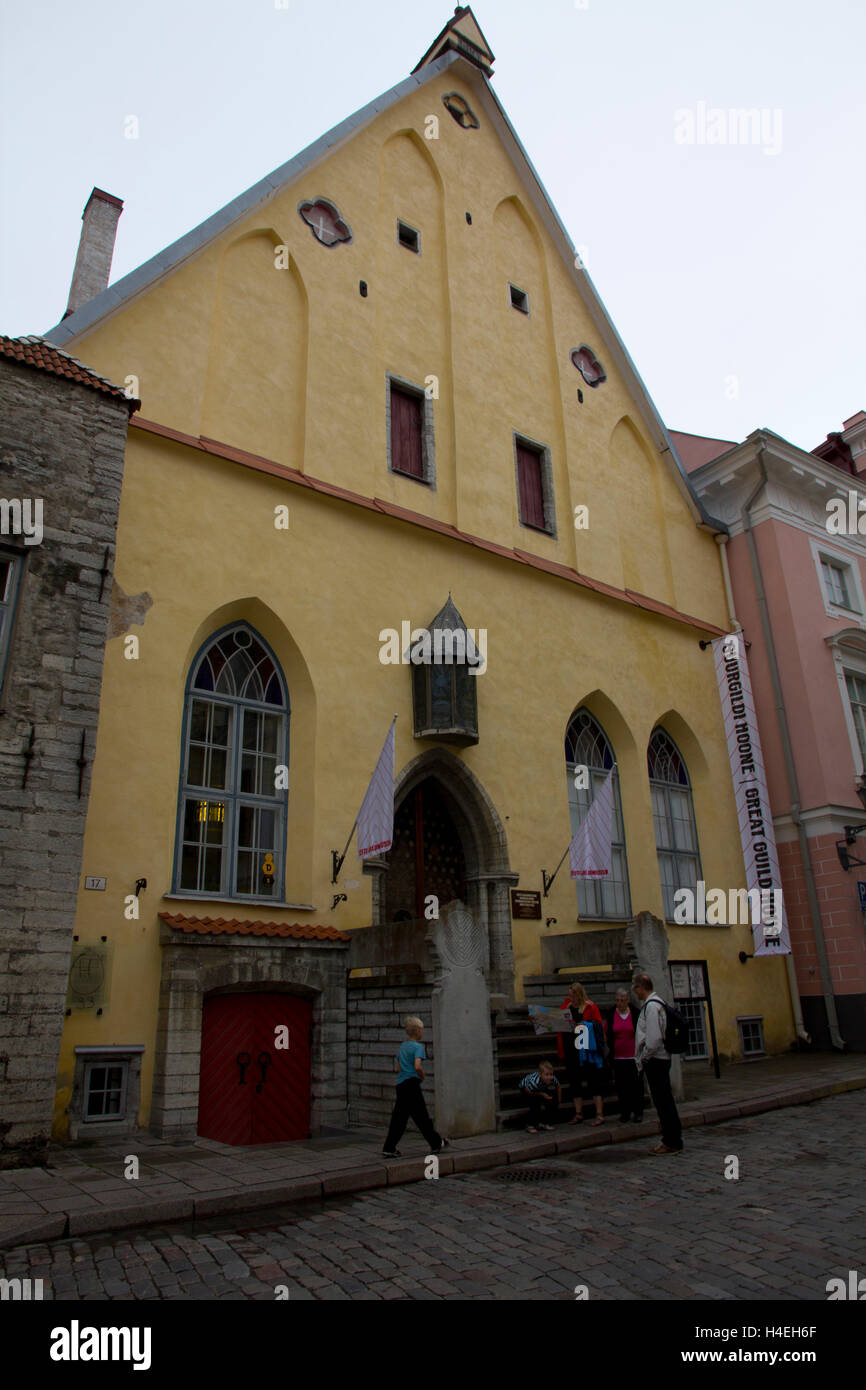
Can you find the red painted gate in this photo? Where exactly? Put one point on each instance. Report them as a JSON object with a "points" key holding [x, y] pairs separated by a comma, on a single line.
{"points": [[251, 1091]]}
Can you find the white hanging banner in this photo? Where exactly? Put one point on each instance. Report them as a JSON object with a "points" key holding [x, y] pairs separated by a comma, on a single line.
{"points": [[589, 851], [757, 836], [376, 816]]}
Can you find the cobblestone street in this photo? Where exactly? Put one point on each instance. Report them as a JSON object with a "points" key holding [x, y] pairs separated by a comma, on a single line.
{"points": [[624, 1224]]}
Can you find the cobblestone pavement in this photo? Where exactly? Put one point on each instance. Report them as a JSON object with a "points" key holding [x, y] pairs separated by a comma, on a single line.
{"points": [[626, 1225]]}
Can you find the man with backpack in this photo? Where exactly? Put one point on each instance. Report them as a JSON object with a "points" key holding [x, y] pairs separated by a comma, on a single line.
{"points": [[654, 1059]]}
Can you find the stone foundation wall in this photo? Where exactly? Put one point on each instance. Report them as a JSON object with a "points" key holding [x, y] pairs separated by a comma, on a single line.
{"points": [[376, 1008]]}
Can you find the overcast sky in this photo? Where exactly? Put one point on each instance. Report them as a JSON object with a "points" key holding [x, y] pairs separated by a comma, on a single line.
{"points": [[734, 272]]}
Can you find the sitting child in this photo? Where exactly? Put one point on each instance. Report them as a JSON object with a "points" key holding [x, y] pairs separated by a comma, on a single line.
{"points": [[542, 1093]]}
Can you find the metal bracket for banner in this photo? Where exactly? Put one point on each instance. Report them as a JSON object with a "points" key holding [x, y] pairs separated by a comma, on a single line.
{"points": [[845, 859], [548, 882], [338, 859]]}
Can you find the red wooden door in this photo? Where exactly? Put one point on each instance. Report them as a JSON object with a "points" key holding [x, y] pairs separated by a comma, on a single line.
{"points": [[250, 1090]]}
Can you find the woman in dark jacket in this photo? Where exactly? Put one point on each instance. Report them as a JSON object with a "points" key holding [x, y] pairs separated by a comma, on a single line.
{"points": [[621, 1023], [585, 1066]]}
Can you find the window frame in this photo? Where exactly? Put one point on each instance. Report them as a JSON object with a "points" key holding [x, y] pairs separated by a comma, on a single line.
{"points": [[757, 1021], [415, 247], [848, 650], [234, 798], [621, 845], [10, 604], [107, 1062], [847, 561], [520, 440], [671, 850], [428, 434], [522, 306]]}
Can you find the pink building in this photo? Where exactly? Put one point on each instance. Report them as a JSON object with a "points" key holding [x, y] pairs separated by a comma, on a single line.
{"points": [[796, 560]]}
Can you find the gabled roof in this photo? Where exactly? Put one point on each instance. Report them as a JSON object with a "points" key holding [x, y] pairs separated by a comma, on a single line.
{"points": [[139, 281], [35, 352], [463, 34]]}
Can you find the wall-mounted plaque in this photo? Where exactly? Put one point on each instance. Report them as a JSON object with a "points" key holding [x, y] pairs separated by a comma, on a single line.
{"points": [[526, 904]]}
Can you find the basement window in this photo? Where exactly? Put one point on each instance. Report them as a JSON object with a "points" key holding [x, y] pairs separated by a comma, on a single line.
{"points": [[106, 1091], [752, 1036], [519, 299], [409, 237]]}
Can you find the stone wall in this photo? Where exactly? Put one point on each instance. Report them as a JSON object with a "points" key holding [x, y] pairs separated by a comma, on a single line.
{"points": [[63, 443], [377, 1006], [601, 987]]}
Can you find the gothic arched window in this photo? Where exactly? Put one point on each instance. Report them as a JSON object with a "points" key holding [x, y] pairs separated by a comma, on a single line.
{"points": [[587, 745], [673, 819], [232, 812]]}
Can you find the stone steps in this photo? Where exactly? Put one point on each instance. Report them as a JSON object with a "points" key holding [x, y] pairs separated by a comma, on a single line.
{"points": [[519, 1050]]}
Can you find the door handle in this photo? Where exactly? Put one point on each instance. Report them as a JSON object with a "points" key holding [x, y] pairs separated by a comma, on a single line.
{"points": [[264, 1060], [243, 1060]]}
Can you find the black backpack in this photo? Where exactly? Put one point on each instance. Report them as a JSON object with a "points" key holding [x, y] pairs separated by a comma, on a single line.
{"points": [[676, 1035]]}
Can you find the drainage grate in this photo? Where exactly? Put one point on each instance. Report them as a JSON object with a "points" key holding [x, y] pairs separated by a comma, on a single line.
{"points": [[518, 1174]]}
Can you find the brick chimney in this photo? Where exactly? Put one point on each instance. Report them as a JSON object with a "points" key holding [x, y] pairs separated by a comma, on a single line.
{"points": [[95, 249]]}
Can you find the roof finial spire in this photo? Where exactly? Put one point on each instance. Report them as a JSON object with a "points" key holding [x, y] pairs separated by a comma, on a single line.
{"points": [[462, 34]]}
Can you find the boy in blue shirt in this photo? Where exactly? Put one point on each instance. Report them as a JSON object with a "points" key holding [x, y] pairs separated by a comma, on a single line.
{"points": [[409, 1102]]}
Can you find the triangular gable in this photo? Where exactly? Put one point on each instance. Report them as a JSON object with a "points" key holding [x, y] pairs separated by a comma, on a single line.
{"points": [[139, 281], [463, 34]]}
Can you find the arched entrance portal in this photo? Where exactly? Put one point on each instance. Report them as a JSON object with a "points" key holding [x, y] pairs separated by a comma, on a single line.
{"points": [[449, 842], [427, 856]]}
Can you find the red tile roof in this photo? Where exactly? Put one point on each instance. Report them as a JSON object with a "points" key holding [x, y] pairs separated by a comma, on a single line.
{"points": [[35, 352], [697, 449], [219, 926]]}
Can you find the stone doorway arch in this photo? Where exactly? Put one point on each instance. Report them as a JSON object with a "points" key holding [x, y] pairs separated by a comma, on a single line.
{"points": [[488, 874]]}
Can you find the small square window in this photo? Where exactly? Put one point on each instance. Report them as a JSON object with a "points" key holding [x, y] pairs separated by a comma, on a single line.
{"points": [[751, 1036], [105, 1091], [519, 299], [837, 583], [409, 237]]}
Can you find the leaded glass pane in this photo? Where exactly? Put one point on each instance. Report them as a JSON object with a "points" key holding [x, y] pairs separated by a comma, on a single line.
{"points": [[440, 692]]}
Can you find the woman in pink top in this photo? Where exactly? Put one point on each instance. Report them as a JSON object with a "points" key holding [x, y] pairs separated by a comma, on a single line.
{"points": [[621, 1024]]}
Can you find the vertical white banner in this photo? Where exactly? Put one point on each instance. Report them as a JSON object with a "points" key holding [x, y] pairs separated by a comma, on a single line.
{"points": [[590, 849], [757, 836], [376, 816]]}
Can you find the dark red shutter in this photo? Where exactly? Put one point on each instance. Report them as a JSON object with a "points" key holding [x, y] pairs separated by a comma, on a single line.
{"points": [[406, 426], [530, 493]]}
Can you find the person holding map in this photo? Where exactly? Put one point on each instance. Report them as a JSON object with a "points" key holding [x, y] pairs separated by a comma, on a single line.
{"points": [[583, 1053]]}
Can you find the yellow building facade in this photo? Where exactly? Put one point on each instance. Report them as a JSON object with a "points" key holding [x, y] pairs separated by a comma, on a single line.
{"points": [[411, 251]]}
